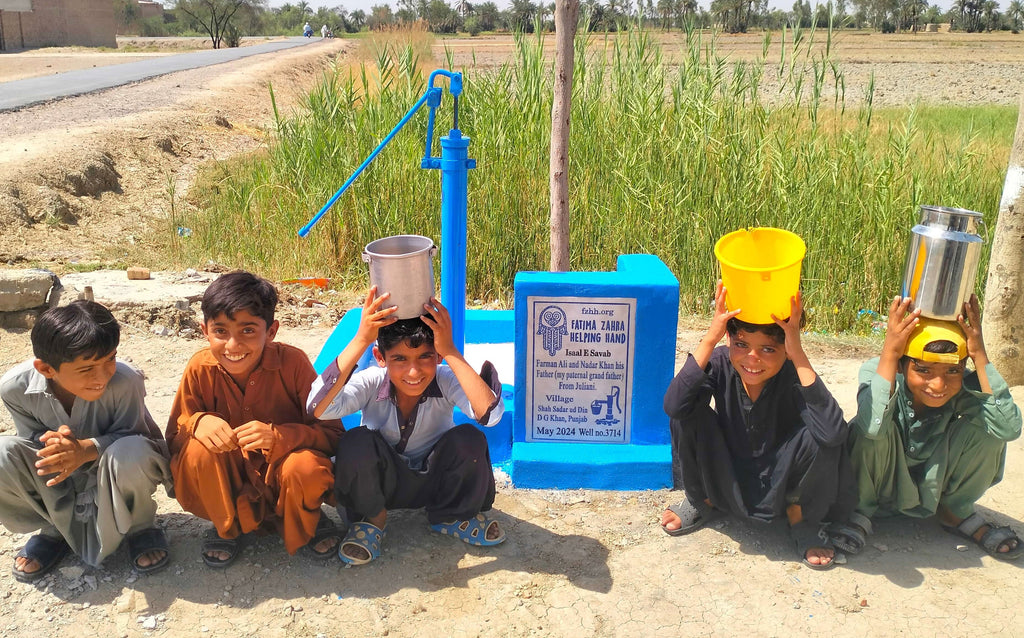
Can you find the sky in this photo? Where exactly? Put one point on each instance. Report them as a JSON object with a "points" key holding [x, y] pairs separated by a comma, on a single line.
{"points": [[352, 5]]}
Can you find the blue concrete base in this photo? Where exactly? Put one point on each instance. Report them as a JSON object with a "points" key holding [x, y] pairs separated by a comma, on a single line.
{"points": [[598, 466]]}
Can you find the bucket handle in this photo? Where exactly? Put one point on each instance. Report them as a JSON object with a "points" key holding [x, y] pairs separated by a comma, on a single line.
{"points": [[430, 251]]}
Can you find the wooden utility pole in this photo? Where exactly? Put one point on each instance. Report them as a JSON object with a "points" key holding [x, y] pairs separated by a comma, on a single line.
{"points": [[1003, 318], [566, 16]]}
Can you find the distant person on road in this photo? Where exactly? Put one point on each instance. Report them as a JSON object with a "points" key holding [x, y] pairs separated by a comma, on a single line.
{"points": [[87, 456], [307, 30], [929, 437], [772, 445], [324, 31]]}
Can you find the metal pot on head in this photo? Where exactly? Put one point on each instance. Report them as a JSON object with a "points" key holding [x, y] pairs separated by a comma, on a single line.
{"points": [[942, 261], [402, 265]]}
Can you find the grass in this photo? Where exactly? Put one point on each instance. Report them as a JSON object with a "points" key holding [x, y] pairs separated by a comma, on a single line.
{"points": [[664, 159]]}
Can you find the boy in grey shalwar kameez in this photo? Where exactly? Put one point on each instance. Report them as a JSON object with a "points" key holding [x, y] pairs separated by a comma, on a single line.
{"points": [[87, 456]]}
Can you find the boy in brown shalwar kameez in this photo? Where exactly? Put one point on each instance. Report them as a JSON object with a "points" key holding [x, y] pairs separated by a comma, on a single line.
{"points": [[246, 455]]}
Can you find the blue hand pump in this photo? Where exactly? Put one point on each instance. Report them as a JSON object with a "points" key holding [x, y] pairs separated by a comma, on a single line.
{"points": [[454, 164]]}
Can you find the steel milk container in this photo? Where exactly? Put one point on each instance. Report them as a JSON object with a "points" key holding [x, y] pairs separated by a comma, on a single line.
{"points": [[942, 261]]}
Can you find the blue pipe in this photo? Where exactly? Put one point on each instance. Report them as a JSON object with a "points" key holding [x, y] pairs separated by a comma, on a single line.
{"points": [[408, 116]]}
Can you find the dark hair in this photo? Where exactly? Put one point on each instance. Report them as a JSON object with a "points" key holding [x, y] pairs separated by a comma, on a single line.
{"points": [[939, 346], [80, 329], [240, 290], [773, 330], [413, 331]]}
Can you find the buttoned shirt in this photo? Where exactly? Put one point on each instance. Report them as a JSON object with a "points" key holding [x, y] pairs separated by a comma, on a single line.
{"points": [[120, 411], [371, 392], [274, 393]]}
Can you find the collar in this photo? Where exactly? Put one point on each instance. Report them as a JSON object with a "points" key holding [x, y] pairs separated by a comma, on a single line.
{"points": [[37, 383]]}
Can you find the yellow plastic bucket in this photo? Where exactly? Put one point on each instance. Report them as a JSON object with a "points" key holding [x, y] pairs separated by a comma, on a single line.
{"points": [[760, 271]]}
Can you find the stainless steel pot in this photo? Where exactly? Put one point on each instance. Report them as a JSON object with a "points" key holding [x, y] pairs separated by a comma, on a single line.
{"points": [[403, 266], [942, 260]]}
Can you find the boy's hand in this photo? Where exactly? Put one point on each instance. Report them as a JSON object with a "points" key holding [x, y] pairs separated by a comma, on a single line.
{"points": [[215, 434], [255, 436], [970, 323], [374, 316], [794, 349], [438, 319], [722, 315], [791, 326], [62, 454], [901, 323], [717, 329]]}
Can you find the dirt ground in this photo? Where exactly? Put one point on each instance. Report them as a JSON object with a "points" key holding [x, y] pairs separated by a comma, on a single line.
{"points": [[85, 180]]}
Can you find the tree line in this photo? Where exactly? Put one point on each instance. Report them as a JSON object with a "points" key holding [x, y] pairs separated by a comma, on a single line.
{"points": [[228, 20]]}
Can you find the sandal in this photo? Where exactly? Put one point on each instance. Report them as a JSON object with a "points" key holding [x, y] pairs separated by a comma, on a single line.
{"points": [[148, 540], [214, 543], [363, 535], [46, 551], [325, 529], [992, 540], [807, 536], [473, 531], [692, 516], [851, 536]]}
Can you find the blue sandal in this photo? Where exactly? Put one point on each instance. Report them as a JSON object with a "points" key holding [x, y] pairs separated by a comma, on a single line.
{"points": [[473, 531], [363, 535]]}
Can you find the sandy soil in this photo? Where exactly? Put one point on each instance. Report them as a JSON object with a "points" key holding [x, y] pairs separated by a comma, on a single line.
{"points": [[577, 562]]}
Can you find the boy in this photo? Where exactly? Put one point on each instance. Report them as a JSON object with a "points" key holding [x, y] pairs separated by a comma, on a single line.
{"points": [[245, 453], [928, 438], [87, 457], [772, 444], [408, 453]]}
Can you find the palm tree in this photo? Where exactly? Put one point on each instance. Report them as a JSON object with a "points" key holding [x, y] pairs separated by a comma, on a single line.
{"points": [[1015, 12]]}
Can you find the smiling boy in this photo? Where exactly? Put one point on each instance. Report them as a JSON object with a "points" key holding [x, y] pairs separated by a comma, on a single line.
{"points": [[930, 438], [246, 455], [772, 444], [87, 456], [408, 453]]}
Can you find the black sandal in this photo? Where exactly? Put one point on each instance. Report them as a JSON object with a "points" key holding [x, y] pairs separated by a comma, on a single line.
{"points": [[46, 551], [325, 529], [692, 516], [807, 536], [214, 543], [991, 540], [149, 540]]}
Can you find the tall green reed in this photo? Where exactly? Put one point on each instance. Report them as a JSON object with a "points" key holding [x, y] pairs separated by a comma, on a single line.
{"points": [[664, 158]]}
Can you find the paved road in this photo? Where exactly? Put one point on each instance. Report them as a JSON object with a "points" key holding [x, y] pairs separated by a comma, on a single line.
{"points": [[21, 93]]}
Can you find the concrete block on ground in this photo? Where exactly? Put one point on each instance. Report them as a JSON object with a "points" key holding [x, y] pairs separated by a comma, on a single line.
{"points": [[25, 289]]}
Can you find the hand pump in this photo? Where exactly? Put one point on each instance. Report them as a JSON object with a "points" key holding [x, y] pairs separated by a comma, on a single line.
{"points": [[454, 165]]}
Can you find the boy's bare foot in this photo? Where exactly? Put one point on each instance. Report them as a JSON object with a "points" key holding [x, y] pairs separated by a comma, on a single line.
{"points": [[27, 565], [150, 558]]}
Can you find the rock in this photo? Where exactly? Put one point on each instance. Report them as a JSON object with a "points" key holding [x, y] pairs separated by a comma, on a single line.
{"points": [[24, 289], [73, 571], [149, 622], [138, 272]]}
